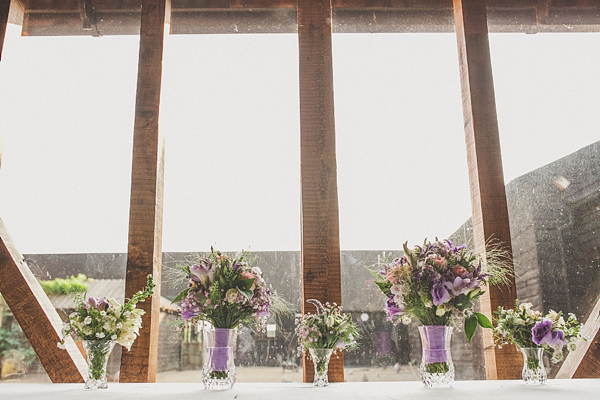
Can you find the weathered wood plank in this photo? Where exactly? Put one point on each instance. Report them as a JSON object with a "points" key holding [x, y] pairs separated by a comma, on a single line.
{"points": [[321, 275], [584, 362], [36, 315], [144, 251], [488, 196], [120, 17], [4, 11]]}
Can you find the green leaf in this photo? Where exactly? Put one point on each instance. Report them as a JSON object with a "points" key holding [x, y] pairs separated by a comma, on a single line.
{"points": [[463, 302], [180, 296], [384, 286], [470, 326], [248, 283], [483, 321], [247, 293]]}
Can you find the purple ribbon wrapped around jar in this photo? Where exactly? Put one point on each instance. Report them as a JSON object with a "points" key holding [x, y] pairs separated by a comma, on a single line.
{"points": [[435, 340], [220, 347]]}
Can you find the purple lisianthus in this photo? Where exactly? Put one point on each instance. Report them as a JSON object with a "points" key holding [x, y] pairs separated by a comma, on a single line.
{"points": [[439, 293], [393, 309], [462, 284], [542, 333]]}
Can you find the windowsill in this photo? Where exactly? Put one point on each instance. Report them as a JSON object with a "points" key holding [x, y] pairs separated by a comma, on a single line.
{"points": [[580, 389]]}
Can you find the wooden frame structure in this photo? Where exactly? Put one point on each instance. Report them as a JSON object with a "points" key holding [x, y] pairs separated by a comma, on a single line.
{"points": [[314, 21], [321, 259], [144, 252]]}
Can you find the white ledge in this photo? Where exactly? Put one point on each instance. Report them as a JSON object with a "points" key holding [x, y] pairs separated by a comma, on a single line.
{"points": [[563, 389]]}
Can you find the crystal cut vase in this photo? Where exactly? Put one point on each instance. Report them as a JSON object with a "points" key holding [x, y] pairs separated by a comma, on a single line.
{"points": [[218, 372], [437, 369], [320, 359], [98, 353], [534, 372]]}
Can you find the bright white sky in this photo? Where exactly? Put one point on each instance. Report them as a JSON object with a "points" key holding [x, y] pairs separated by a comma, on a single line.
{"points": [[230, 116]]}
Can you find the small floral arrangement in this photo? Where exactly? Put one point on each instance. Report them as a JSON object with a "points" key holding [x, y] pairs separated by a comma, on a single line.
{"points": [[528, 328], [106, 319], [328, 329], [438, 282], [224, 291]]}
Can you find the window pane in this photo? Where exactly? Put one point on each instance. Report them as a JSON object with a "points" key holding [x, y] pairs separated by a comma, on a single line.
{"points": [[402, 176], [66, 118], [229, 112], [547, 89]]}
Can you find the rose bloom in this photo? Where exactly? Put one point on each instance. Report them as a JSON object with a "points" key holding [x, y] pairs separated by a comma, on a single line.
{"points": [[459, 270], [441, 261]]}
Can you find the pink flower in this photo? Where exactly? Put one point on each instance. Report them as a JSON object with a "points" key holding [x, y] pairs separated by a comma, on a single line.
{"points": [[459, 270], [441, 261]]}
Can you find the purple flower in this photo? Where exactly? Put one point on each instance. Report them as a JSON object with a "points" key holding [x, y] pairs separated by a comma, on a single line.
{"points": [[439, 293], [542, 333], [393, 309], [202, 273], [96, 303], [462, 284]]}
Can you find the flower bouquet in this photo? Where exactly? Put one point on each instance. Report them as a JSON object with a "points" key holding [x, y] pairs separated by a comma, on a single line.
{"points": [[438, 283], [224, 291], [323, 333], [99, 323], [534, 333]]}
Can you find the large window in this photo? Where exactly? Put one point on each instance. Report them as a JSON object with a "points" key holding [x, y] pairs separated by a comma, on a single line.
{"points": [[229, 113], [402, 176], [66, 119], [547, 95]]}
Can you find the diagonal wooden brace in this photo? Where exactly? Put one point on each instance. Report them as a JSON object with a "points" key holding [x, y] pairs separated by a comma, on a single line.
{"points": [[36, 315]]}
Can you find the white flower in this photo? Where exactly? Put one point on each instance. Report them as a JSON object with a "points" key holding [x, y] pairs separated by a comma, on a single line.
{"points": [[100, 335], [396, 289], [573, 316], [103, 313], [87, 320], [552, 315], [119, 325], [519, 321], [114, 337], [406, 320], [73, 315]]}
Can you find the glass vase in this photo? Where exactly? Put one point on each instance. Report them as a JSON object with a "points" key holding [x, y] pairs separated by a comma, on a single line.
{"points": [[437, 369], [534, 372], [218, 371], [98, 353], [320, 359]]}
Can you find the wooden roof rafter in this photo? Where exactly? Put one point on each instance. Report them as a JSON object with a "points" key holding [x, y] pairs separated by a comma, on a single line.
{"points": [[121, 17]]}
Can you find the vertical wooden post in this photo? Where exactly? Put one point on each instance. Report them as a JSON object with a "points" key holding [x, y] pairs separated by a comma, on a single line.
{"points": [[4, 10], [36, 315], [321, 275], [488, 196], [144, 252]]}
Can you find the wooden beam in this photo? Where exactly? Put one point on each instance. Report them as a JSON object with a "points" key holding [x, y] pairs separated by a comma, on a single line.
{"points": [[144, 252], [584, 362], [121, 17], [36, 315], [321, 274], [488, 196], [4, 11]]}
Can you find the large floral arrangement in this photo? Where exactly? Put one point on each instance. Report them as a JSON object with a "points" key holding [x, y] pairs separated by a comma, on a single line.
{"points": [[107, 319], [436, 283], [329, 328], [528, 328], [224, 291]]}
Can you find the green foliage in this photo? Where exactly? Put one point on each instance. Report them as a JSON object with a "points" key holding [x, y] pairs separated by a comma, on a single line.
{"points": [[13, 340], [58, 286]]}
